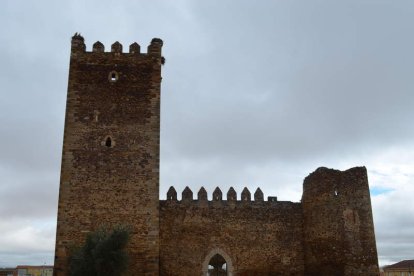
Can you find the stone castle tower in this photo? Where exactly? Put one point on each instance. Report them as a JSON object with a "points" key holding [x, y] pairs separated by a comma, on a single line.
{"points": [[110, 159], [110, 176]]}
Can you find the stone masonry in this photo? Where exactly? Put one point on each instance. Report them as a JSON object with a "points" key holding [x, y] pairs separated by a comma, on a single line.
{"points": [[110, 159], [110, 176]]}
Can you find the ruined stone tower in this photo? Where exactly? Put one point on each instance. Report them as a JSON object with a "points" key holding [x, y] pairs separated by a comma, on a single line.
{"points": [[338, 232], [110, 176], [110, 159]]}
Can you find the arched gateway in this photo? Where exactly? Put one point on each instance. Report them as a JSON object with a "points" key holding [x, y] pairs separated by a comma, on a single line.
{"points": [[217, 263]]}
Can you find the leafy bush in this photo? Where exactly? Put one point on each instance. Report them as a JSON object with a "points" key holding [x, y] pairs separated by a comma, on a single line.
{"points": [[103, 253]]}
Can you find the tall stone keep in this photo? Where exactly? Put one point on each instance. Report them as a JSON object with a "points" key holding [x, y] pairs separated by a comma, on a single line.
{"points": [[110, 159]]}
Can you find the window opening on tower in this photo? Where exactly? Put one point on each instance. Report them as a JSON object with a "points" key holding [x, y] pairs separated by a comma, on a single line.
{"points": [[108, 142], [113, 76]]}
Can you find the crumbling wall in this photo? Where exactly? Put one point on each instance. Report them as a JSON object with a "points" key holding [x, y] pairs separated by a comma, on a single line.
{"points": [[339, 234]]}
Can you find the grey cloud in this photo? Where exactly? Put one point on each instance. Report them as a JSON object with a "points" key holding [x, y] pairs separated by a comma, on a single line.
{"points": [[33, 197], [253, 95], [340, 94]]}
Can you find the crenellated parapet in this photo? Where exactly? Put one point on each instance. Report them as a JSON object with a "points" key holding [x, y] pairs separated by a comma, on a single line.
{"points": [[78, 47], [202, 194], [258, 195], [187, 197], [217, 195], [78, 43], [231, 195], [172, 194], [245, 195]]}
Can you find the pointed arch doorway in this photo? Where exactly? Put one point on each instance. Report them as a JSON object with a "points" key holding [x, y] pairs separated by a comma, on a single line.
{"points": [[217, 266], [217, 263]]}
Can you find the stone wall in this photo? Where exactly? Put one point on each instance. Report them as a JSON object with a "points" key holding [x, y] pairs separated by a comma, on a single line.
{"points": [[110, 159], [255, 237], [330, 232]]}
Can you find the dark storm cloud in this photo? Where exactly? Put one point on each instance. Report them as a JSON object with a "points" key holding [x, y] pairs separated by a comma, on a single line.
{"points": [[253, 95]]}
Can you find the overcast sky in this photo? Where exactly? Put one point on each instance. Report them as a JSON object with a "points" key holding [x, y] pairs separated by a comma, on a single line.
{"points": [[254, 93]]}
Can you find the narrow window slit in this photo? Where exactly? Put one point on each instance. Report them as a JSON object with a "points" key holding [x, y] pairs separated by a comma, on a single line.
{"points": [[108, 142]]}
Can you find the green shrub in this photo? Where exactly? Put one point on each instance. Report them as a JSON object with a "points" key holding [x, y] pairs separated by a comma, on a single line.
{"points": [[103, 253]]}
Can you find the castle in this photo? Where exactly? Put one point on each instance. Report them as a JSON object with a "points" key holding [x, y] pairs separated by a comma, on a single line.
{"points": [[110, 175]]}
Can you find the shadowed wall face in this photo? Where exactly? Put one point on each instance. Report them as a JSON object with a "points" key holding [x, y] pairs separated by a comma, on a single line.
{"points": [[110, 163]]}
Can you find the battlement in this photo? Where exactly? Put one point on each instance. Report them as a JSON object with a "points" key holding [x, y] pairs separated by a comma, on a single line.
{"points": [[78, 46], [187, 198]]}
